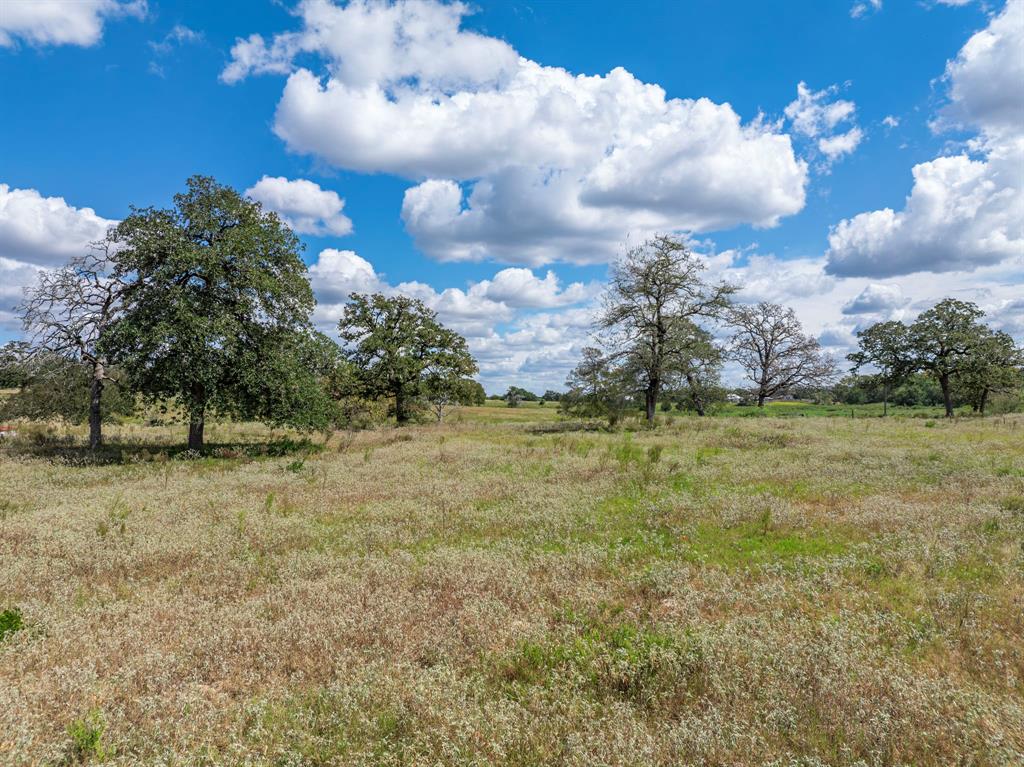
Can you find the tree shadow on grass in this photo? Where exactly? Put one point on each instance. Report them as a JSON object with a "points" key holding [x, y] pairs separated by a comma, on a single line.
{"points": [[74, 454]]}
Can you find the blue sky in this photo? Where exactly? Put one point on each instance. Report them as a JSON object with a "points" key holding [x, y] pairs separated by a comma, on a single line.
{"points": [[451, 152]]}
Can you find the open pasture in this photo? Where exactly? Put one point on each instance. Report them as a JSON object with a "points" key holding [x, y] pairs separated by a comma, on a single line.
{"points": [[504, 590]]}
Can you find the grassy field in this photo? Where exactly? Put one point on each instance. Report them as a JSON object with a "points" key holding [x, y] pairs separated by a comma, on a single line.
{"points": [[504, 590]]}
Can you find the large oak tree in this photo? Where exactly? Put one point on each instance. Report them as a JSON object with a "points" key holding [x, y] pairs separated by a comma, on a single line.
{"points": [[942, 341], [217, 307], [655, 295], [400, 350]]}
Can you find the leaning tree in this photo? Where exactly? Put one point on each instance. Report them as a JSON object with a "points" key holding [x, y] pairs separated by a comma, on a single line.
{"points": [[774, 352], [216, 309], [655, 294], [66, 315], [398, 349]]}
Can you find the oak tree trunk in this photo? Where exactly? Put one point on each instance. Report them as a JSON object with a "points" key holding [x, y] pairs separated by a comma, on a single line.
{"points": [[947, 397], [651, 400], [197, 418], [196, 425], [698, 401], [95, 408], [401, 416]]}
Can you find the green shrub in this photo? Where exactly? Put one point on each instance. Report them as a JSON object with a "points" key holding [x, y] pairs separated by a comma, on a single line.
{"points": [[10, 622], [87, 739]]}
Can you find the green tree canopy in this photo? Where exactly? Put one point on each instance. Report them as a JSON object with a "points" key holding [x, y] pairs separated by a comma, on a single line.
{"points": [[942, 341], [994, 365], [517, 394], [443, 393], [396, 345], [655, 294], [473, 393], [14, 368], [699, 365], [216, 308], [885, 347], [598, 388]]}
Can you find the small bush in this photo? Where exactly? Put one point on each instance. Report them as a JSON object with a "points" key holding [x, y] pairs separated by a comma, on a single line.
{"points": [[1007, 402], [87, 739], [10, 622]]}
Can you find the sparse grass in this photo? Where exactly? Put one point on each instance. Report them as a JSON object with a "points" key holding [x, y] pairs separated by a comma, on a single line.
{"points": [[510, 589], [796, 408]]}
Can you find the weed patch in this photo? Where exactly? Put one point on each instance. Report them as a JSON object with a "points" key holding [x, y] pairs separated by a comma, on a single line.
{"points": [[10, 622], [641, 665]]}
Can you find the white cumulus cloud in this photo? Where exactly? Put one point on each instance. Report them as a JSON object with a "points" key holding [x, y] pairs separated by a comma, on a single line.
{"points": [[547, 322], [15, 276], [876, 299], [303, 205], [45, 230], [986, 79], [516, 161], [966, 210], [59, 22], [817, 115], [961, 213], [520, 288], [336, 273]]}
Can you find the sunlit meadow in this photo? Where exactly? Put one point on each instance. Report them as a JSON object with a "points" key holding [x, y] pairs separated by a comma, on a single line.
{"points": [[506, 589]]}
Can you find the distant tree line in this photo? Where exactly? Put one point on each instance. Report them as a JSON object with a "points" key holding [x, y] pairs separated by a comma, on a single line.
{"points": [[666, 333], [205, 308]]}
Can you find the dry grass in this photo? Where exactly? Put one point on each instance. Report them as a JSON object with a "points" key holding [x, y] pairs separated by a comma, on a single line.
{"points": [[807, 591]]}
